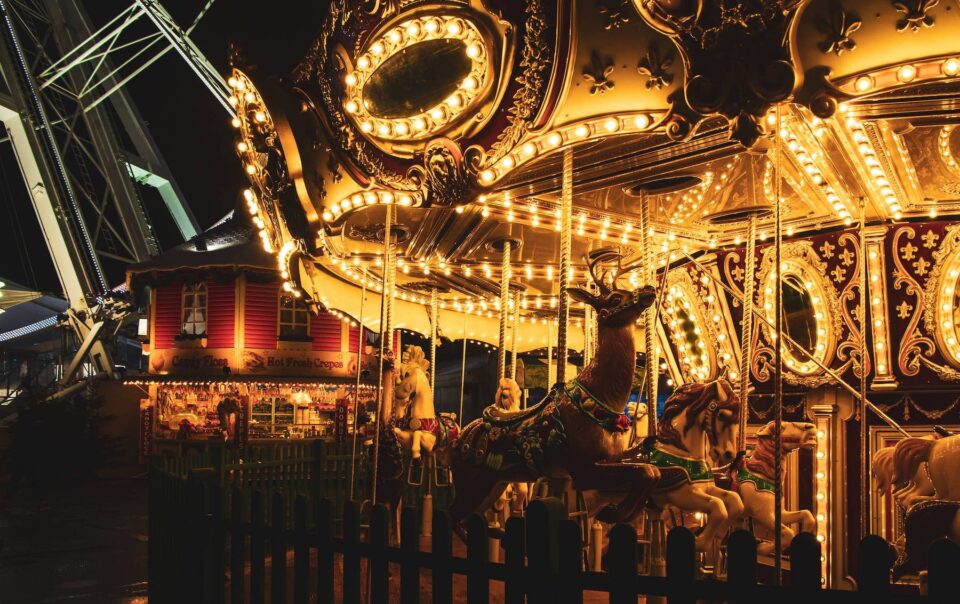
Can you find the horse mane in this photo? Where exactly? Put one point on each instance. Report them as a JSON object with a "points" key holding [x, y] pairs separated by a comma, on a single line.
{"points": [[761, 460], [907, 457], [882, 467], [416, 357], [693, 397]]}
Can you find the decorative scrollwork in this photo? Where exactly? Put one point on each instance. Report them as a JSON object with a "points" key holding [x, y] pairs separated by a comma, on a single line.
{"points": [[655, 64], [908, 403], [914, 345], [915, 14], [597, 73], [838, 27], [849, 351], [739, 64], [444, 177], [939, 309]]}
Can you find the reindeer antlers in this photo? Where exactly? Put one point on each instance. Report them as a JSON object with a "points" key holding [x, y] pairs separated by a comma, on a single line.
{"points": [[600, 256]]}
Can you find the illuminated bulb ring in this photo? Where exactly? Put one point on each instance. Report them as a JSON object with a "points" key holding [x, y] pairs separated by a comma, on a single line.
{"points": [[427, 123]]}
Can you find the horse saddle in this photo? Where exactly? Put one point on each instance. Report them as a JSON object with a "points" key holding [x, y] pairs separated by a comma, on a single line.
{"points": [[675, 471]]}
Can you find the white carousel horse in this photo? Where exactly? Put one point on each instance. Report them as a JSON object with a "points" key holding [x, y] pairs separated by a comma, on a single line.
{"points": [[753, 478], [699, 422], [415, 419], [508, 398]]}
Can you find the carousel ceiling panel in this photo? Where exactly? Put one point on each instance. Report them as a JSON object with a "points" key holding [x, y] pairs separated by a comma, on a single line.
{"points": [[840, 40], [620, 65], [934, 153]]}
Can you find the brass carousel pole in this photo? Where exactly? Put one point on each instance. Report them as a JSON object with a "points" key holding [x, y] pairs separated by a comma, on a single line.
{"points": [[650, 317], [864, 325], [778, 363], [434, 312], [566, 209], [356, 393], [504, 310], [746, 331], [463, 367], [513, 336], [386, 336]]}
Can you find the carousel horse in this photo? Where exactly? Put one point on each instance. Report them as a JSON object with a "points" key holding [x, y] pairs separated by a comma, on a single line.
{"points": [[416, 421], [693, 415], [936, 515], [508, 398], [918, 488], [753, 478]]}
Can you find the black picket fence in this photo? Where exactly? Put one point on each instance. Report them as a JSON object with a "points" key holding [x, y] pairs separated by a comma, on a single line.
{"points": [[256, 551]]}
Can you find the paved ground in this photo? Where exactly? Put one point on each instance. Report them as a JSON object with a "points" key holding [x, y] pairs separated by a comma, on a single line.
{"points": [[85, 543]]}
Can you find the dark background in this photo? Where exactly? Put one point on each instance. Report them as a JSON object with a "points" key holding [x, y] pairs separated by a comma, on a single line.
{"points": [[190, 127]]}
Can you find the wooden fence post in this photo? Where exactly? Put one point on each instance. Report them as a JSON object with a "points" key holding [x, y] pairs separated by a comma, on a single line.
{"points": [[514, 588], [943, 570], [238, 543], [351, 552], [873, 569], [571, 563], [805, 562], [379, 536], [409, 560], [442, 555], [278, 551], [218, 543], [324, 520], [622, 556], [741, 564], [301, 552], [316, 470], [681, 565], [542, 537], [478, 584], [198, 543], [258, 552]]}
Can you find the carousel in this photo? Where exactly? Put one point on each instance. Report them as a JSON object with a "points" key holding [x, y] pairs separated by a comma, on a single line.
{"points": [[740, 216]]}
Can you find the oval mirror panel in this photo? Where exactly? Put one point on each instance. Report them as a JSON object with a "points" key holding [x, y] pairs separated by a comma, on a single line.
{"points": [[799, 316], [417, 78]]}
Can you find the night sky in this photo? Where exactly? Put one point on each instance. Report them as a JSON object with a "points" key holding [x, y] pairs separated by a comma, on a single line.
{"points": [[188, 124]]}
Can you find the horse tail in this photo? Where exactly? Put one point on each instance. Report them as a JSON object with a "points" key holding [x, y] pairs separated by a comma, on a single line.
{"points": [[881, 467], [907, 457]]}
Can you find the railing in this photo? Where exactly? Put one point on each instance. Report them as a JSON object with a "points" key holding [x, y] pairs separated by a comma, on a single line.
{"points": [[253, 550]]}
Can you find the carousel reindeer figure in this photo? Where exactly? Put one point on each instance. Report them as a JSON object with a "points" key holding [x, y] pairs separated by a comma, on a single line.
{"points": [[577, 428], [753, 478]]}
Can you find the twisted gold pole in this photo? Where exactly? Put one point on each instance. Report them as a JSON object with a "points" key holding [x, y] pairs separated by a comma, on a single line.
{"points": [[386, 336], [356, 393], [746, 331], [566, 211], [434, 312], [778, 361], [864, 325], [504, 309], [513, 336], [650, 317]]}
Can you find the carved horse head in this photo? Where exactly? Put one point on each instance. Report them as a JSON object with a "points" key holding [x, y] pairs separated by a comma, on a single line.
{"points": [[412, 380], [713, 407], [615, 307], [508, 395], [794, 435]]}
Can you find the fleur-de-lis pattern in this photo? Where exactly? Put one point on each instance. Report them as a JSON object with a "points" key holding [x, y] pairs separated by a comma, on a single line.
{"points": [[655, 64], [838, 27], [915, 14], [614, 12], [597, 73]]}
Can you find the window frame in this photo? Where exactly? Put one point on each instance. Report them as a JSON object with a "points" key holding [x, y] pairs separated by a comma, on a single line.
{"points": [[298, 310], [193, 291]]}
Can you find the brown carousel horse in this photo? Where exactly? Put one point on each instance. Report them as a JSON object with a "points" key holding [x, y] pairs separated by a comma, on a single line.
{"points": [[575, 428], [753, 478]]}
